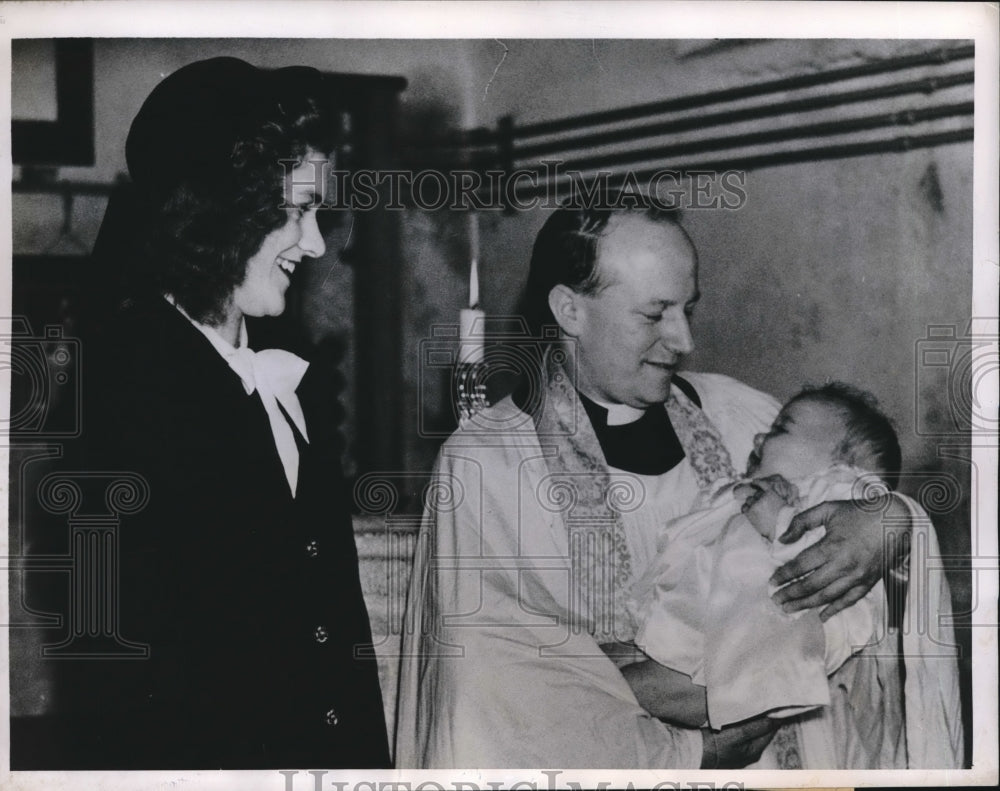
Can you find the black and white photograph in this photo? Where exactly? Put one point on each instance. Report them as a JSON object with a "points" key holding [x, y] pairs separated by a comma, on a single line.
{"points": [[500, 395]]}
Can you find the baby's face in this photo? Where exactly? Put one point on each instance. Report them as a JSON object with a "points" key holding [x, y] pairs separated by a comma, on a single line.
{"points": [[801, 441]]}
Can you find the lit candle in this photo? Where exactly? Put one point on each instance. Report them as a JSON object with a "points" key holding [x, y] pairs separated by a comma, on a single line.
{"points": [[474, 284], [473, 220], [472, 318]]}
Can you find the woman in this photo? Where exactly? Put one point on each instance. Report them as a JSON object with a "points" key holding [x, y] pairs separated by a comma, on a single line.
{"points": [[240, 573]]}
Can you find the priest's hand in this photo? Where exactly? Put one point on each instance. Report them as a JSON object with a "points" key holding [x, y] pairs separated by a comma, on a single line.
{"points": [[737, 745], [861, 541]]}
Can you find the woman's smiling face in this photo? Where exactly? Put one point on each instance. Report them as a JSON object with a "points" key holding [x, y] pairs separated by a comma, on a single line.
{"points": [[268, 271]]}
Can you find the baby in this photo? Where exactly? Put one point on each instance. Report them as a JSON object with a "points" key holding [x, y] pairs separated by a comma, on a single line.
{"points": [[704, 608]]}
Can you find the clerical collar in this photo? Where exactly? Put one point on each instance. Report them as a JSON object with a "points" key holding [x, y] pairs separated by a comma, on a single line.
{"points": [[635, 440], [619, 414]]}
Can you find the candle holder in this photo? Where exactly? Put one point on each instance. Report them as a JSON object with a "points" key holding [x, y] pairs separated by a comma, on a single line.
{"points": [[469, 386], [470, 372]]}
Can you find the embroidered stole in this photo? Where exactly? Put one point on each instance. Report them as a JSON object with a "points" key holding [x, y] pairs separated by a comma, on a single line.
{"points": [[592, 503]]}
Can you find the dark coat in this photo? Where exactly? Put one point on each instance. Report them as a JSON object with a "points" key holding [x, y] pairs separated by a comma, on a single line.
{"points": [[249, 600]]}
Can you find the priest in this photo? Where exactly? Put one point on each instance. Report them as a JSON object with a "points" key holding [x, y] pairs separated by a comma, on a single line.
{"points": [[558, 496]]}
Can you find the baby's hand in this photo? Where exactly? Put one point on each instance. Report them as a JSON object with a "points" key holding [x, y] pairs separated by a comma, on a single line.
{"points": [[765, 497], [788, 492]]}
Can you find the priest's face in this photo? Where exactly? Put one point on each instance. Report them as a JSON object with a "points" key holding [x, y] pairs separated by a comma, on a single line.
{"points": [[634, 331]]}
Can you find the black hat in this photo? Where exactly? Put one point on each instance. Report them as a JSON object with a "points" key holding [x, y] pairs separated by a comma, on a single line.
{"points": [[185, 134], [189, 126]]}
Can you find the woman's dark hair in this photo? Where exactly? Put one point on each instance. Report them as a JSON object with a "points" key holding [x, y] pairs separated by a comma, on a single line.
{"points": [[209, 153], [869, 440], [565, 251]]}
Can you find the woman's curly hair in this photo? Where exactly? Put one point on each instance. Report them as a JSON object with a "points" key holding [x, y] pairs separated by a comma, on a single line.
{"points": [[202, 231]]}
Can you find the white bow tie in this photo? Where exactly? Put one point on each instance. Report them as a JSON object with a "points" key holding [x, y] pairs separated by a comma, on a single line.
{"points": [[275, 374]]}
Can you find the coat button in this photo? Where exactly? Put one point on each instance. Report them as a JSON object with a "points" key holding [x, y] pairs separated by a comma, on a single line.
{"points": [[312, 549], [321, 634], [332, 718]]}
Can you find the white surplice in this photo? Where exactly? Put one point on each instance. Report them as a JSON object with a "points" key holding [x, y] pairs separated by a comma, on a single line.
{"points": [[501, 662], [500, 668]]}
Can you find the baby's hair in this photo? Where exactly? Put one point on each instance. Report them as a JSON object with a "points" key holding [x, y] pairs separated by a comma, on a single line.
{"points": [[870, 440]]}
